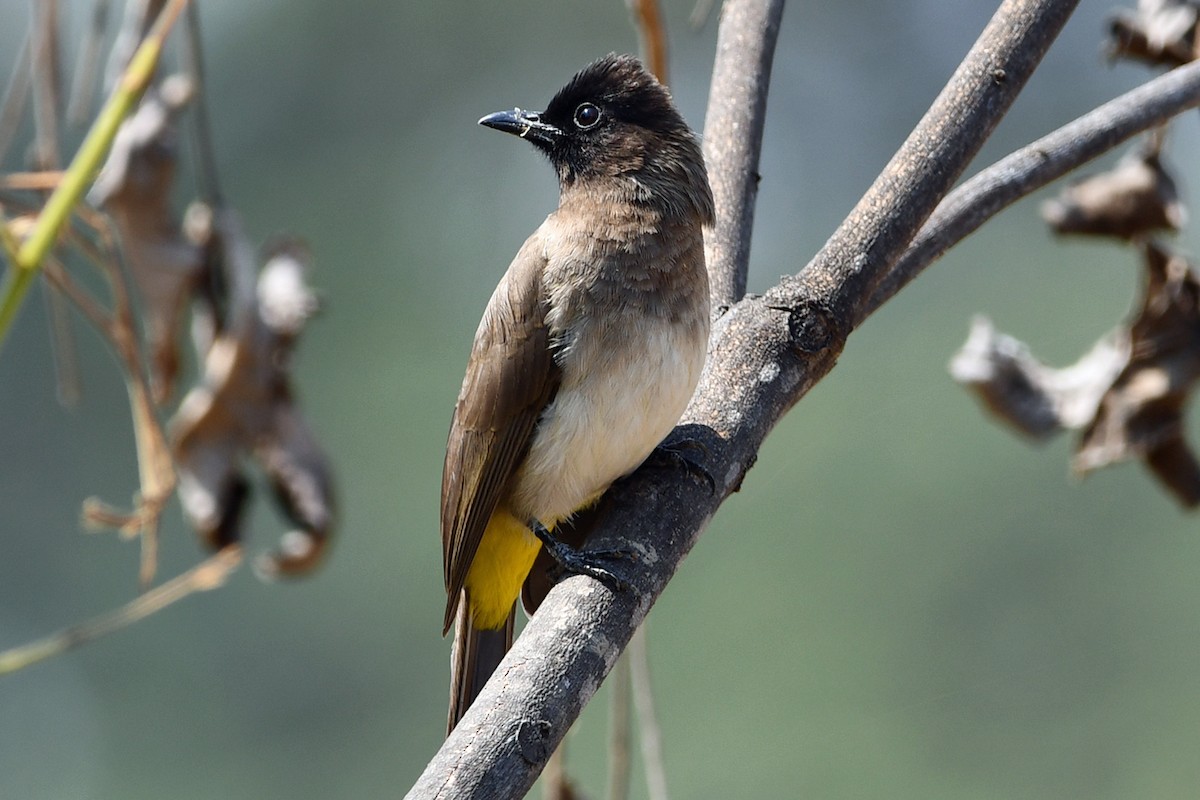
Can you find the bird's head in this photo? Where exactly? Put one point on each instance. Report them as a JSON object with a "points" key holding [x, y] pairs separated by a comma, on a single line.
{"points": [[612, 119]]}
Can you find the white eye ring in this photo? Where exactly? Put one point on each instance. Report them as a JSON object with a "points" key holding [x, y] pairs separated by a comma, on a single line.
{"points": [[587, 115]]}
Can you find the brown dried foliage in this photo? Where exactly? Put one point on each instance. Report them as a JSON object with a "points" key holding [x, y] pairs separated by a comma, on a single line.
{"points": [[1127, 396]]}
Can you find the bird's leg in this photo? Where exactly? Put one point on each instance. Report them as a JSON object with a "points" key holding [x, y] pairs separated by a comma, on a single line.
{"points": [[686, 453], [583, 562]]}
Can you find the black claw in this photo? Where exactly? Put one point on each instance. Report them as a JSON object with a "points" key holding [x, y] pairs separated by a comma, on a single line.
{"points": [[583, 562], [673, 453]]}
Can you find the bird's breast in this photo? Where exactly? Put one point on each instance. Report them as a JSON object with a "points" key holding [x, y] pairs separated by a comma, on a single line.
{"points": [[627, 378]]}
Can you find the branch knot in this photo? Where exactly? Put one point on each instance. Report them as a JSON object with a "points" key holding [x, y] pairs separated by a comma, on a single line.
{"points": [[812, 325], [532, 738]]}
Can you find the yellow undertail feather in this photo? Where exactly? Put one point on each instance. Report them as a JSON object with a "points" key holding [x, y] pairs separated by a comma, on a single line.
{"points": [[505, 556]]}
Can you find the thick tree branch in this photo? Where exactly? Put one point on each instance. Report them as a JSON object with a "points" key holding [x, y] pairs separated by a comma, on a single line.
{"points": [[873, 236], [765, 355], [987, 193], [733, 131]]}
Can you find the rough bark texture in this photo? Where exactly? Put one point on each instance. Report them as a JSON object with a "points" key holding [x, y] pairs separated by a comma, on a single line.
{"points": [[960, 120], [733, 131], [987, 193], [766, 353]]}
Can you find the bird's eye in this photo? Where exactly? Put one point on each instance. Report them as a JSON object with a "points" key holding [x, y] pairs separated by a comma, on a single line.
{"points": [[586, 116]]}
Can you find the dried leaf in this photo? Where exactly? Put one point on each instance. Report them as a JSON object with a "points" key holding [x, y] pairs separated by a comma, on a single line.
{"points": [[1127, 395], [1037, 400], [1136, 197], [245, 410], [1159, 32], [299, 474], [1141, 416], [135, 188]]}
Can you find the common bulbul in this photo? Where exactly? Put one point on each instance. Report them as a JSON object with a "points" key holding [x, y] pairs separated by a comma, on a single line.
{"points": [[589, 348]]}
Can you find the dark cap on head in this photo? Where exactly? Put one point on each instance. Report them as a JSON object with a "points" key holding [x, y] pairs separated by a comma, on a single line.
{"points": [[613, 118]]}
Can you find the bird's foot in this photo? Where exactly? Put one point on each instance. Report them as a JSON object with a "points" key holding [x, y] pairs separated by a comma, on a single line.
{"points": [[585, 562], [684, 453]]}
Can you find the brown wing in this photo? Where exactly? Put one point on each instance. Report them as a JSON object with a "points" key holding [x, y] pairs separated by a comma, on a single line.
{"points": [[511, 377]]}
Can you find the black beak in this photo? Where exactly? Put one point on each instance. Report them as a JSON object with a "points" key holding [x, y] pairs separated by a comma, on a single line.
{"points": [[526, 124]]}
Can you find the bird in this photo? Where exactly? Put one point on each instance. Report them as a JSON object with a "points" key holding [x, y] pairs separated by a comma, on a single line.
{"points": [[587, 354]]}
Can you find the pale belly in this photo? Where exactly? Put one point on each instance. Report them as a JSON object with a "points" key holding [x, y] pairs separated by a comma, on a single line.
{"points": [[603, 424]]}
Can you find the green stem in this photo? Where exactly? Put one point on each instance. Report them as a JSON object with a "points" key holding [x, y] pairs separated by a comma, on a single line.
{"points": [[8, 241], [84, 166], [16, 284]]}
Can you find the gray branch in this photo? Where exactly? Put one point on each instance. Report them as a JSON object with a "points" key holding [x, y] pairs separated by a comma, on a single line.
{"points": [[863, 249], [733, 131], [986, 194], [766, 353]]}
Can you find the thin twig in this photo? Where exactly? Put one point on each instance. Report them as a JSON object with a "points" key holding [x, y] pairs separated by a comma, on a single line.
{"points": [[62, 348], [209, 574], [46, 102], [556, 784], [652, 33], [87, 305], [871, 239], [156, 471], [700, 14], [206, 162], [620, 731], [44, 181], [12, 109], [87, 68], [1017, 175], [136, 23], [157, 478], [8, 241], [45, 84], [650, 732], [733, 131]]}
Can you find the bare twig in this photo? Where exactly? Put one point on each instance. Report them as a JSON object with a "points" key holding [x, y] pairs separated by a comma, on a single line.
{"points": [[880, 227], [12, 109], [45, 83], [46, 102], [156, 470], [647, 19], [83, 85], [44, 180], [62, 348], [765, 355], [733, 130], [87, 304], [207, 575], [206, 161], [135, 25], [649, 731], [8, 240], [700, 14], [556, 783], [1030, 168], [619, 730], [554, 778]]}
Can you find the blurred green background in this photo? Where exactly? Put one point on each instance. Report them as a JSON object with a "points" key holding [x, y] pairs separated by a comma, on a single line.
{"points": [[904, 601]]}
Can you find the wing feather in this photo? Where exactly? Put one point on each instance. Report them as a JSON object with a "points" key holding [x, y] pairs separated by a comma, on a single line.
{"points": [[511, 377]]}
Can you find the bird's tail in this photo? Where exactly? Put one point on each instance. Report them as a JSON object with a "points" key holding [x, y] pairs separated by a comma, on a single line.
{"points": [[477, 652]]}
